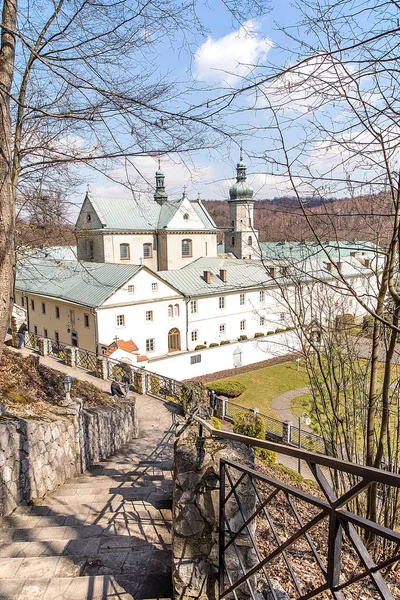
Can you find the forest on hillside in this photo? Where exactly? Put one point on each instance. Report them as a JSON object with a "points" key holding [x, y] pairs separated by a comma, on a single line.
{"points": [[366, 218]]}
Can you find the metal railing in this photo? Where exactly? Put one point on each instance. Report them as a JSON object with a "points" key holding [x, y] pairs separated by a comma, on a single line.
{"points": [[31, 341], [86, 359], [57, 349], [162, 387], [308, 440], [277, 530]]}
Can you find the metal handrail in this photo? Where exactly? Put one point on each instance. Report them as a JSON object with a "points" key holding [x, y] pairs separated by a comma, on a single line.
{"points": [[368, 473], [332, 506]]}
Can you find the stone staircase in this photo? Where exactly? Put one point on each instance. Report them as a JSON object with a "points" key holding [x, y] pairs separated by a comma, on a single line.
{"points": [[104, 534]]}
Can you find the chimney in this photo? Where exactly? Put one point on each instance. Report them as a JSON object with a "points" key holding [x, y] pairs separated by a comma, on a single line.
{"points": [[222, 274], [329, 267], [272, 272], [339, 266], [207, 276], [353, 254], [367, 263], [285, 271]]}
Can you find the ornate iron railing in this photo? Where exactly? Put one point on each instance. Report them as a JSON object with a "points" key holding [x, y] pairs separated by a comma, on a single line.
{"points": [[57, 349], [86, 359], [162, 387], [31, 341], [279, 538]]}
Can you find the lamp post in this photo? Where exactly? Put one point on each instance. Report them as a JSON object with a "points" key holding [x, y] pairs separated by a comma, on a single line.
{"points": [[306, 420], [67, 388]]}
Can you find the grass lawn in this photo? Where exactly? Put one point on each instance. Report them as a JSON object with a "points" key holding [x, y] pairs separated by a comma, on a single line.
{"points": [[263, 385], [300, 404]]}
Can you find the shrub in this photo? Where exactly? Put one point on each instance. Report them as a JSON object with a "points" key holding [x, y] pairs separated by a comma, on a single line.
{"points": [[200, 347], [267, 456], [259, 334], [279, 330], [241, 338], [270, 332], [224, 342], [213, 345], [252, 425], [294, 475], [344, 321], [216, 422], [231, 389]]}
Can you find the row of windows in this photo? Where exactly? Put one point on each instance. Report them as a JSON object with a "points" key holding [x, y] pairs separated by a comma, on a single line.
{"points": [[249, 241], [222, 329], [125, 251], [131, 288], [222, 301], [57, 312]]}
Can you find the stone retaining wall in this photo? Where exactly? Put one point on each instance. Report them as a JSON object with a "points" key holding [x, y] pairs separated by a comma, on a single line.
{"points": [[195, 514], [38, 455]]}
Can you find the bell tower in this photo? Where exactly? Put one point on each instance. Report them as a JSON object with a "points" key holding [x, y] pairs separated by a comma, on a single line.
{"points": [[241, 238], [160, 195]]}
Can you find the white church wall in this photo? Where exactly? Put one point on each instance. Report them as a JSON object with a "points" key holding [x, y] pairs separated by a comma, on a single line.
{"points": [[203, 244], [135, 241], [212, 360]]}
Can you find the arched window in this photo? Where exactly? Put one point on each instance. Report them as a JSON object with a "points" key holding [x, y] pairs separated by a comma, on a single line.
{"points": [[170, 311], [250, 240], [176, 310], [124, 252], [233, 241], [147, 251], [186, 248]]}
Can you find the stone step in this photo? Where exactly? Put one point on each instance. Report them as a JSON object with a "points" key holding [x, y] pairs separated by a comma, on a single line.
{"points": [[100, 587], [150, 481], [146, 514], [158, 532], [81, 509], [117, 561]]}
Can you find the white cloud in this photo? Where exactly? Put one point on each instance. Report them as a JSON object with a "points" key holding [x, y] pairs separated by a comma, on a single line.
{"points": [[232, 56]]}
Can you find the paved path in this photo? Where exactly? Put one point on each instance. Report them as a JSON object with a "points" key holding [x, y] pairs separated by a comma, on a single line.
{"points": [[104, 534], [281, 406]]}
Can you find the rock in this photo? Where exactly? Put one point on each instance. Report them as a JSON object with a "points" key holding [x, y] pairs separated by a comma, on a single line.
{"points": [[189, 522]]}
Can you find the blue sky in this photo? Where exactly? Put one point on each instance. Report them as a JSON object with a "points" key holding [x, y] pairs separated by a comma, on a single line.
{"points": [[228, 48]]}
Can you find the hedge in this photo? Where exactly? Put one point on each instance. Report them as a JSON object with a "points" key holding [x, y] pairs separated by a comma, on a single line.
{"points": [[231, 389]]}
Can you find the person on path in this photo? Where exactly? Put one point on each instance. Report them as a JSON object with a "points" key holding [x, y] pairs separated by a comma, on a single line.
{"points": [[126, 382], [21, 335], [116, 388]]}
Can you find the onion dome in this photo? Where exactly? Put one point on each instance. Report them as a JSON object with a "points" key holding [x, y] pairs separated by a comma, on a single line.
{"points": [[241, 189]]}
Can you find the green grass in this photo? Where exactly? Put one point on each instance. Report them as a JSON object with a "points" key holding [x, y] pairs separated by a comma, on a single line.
{"points": [[263, 385]]}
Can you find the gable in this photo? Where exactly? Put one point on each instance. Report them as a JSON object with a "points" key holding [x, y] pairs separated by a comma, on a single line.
{"points": [[186, 217], [142, 289], [88, 217]]}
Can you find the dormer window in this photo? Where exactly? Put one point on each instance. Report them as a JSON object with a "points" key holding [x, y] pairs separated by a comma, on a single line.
{"points": [[186, 217]]}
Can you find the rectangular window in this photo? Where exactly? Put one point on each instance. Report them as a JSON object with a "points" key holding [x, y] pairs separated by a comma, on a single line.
{"points": [[262, 296], [262, 321], [222, 329], [149, 315], [35, 329], [243, 325], [221, 301], [72, 316], [193, 307], [43, 308], [195, 359], [56, 336], [57, 312], [150, 345], [195, 335], [241, 299], [120, 320], [154, 287], [91, 251], [282, 316], [131, 289], [22, 301], [45, 332], [86, 320]]}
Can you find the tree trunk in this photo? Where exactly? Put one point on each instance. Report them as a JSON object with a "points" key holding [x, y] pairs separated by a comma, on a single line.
{"points": [[7, 202]]}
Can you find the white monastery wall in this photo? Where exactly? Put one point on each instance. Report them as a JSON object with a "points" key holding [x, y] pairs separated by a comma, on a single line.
{"points": [[135, 241]]}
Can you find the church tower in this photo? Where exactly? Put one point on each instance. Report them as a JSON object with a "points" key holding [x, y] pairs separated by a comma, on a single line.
{"points": [[160, 195], [241, 238]]}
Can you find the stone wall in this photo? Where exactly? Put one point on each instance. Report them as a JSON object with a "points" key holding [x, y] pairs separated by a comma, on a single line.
{"points": [[38, 455], [195, 514]]}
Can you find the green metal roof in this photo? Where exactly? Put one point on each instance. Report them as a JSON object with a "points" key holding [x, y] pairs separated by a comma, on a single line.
{"points": [[142, 214], [86, 283], [337, 250]]}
